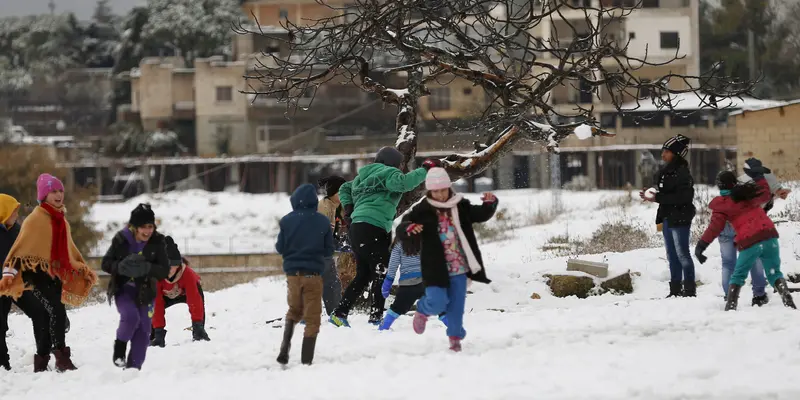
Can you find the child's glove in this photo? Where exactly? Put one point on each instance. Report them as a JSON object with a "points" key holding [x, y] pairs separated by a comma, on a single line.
{"points": [[431, 163], [413, 229], [755, 169], [699, 250], [387, 286]]}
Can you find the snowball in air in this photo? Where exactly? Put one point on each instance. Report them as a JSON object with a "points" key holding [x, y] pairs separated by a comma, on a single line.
{"points": [[583, 131]]}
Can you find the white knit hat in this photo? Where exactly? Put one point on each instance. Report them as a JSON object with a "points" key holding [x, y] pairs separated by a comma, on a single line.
{"points": [[437, 179]]}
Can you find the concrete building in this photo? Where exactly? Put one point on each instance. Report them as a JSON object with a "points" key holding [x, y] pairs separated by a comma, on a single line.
{"points": [[771, 135]]}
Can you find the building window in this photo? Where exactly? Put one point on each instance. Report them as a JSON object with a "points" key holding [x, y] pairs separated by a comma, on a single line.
{"points": [[223, 138], [263, 133], [644, 92], [439, 100], [631, 35], [669, 40], [283, 14], [224, 93], [650, 4]]}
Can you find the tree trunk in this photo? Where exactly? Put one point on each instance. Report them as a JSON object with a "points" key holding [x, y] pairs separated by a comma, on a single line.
{"points": [[406, 126]]}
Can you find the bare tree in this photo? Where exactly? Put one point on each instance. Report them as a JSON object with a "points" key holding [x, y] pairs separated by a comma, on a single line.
{"points": [[517, 51]]}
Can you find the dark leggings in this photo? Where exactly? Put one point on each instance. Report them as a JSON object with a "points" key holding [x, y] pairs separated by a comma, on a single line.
{"points": [[405, 298], [34, 310], [371, 248], [47, 291]]}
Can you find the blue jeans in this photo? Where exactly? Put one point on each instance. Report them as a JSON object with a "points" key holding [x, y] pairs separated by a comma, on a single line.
{"points": [[768, 252], [676, 240], [728, 251], [450, 300]]}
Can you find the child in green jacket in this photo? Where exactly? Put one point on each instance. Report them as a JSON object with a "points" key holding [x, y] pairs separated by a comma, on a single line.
{"points": [[370, 202]]}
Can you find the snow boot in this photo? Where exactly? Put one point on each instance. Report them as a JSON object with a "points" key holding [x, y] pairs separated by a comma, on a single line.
{"points": [[199, 332], [5, 364], [689, 289], [159, 338], [786, 295], [733, 297], [420, 320], [307, 353], [759, 301], [63, 361], [286, 344], [455, 343], [120, 348], [675, 289], [375, 317], [40, 362], [388, 320], [339, 321]]}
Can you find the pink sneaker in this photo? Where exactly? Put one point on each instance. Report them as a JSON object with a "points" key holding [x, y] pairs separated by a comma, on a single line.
{"points": [[455, 344], [419, 322]]}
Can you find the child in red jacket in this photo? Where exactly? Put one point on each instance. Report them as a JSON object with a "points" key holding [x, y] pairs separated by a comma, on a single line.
{"points": [[756, 236], [181, 286]]}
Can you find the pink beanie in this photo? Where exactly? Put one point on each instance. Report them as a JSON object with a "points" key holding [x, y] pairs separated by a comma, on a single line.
{"points": [[45, 184], [437, 179]]}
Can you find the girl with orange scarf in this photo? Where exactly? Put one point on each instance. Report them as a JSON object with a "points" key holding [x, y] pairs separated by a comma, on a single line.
{"points": [[45, 261]]}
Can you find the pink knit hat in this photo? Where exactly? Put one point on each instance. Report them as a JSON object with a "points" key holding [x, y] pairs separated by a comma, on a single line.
{"points": [[45, 184], [437, 179]]}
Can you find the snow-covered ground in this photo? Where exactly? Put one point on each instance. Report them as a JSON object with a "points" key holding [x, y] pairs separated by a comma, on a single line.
{"points": [[638, 346]]}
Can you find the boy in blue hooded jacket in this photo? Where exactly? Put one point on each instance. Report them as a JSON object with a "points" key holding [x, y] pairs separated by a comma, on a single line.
{"points": [[305, 240]]}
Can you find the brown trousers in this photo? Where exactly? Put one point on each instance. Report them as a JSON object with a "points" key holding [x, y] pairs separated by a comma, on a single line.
{"points": [[305, 302]]}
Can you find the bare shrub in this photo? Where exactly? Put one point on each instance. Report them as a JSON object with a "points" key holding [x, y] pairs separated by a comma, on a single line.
{"points": [[617, 237]]}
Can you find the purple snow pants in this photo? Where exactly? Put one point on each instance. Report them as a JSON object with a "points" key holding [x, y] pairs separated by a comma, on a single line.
{"points": [[134, 325]]}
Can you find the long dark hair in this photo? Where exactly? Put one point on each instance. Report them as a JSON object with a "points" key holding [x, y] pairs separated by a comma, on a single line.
{"points": [[746, 192], [411, 245]]}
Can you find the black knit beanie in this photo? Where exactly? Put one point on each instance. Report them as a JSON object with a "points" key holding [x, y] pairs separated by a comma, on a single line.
{"points": [[331, 184], [142, 215], [726, 180], [389, 156], [679, 145]]}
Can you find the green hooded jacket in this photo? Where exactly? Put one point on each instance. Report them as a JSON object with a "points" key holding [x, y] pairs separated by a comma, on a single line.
{"points": [[376, 192]]}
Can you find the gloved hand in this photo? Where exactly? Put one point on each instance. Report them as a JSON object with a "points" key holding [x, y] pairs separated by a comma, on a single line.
{"points": [[699, 250], [134, 266], [199, 332], [755, 169], [431, 163], [387, 286]]}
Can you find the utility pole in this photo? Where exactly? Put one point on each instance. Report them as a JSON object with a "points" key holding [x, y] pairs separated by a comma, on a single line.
{"points": [[751, 54], [52, 6]]}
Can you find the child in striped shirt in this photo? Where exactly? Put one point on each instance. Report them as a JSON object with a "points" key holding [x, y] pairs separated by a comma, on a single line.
{"points": [[405, 258]]}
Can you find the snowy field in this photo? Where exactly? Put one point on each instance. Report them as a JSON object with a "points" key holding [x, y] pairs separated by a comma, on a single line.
{"points": [[637, 346]]}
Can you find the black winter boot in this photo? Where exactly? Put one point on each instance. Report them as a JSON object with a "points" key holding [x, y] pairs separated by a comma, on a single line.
{"points": [[675, 289], [786, 295], [689, 289], [159, 337], [199, 332], [733, 297], [760, 300], [286, 344], [40, 362], [120, 348], [5, 364], [307, 354]]}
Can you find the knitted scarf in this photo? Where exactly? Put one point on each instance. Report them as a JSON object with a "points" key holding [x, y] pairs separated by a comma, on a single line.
{"points": [[452, 205], [59, 251], [45, 244]]}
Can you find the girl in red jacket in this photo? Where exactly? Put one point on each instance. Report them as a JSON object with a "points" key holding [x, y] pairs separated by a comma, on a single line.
{"points": [[181, 286], [756, 236]]}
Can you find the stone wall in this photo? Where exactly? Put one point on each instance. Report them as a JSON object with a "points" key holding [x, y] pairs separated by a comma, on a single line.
{"points": [[773, 136]]}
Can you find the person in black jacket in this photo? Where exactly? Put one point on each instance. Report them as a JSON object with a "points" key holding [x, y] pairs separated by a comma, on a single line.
{"points": [[450, 254], [136, 260], [675, 196], [27, 302]]}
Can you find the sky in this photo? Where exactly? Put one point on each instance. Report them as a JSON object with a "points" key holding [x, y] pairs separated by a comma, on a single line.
{"points": [[82, 8]]}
